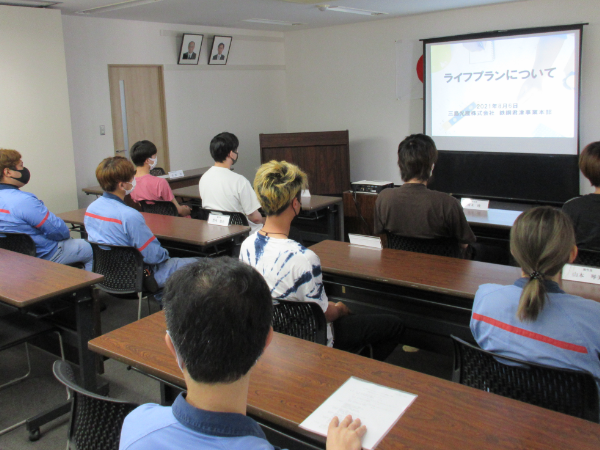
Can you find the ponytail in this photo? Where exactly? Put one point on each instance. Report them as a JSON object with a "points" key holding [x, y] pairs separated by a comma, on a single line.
{"points": [[532, 299]]}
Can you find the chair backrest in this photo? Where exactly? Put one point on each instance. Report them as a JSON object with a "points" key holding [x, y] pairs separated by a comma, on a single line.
{"points": [[237, 218], [304, 320], [122, 267], [16, 242], [164, 208], [157, 171], [568, 391], [441, 247], [96, 421], [588, 258]]}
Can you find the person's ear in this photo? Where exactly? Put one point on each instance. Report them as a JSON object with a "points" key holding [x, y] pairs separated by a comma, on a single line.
{"points": [[170, 345], [573, 254], [269, 338]]}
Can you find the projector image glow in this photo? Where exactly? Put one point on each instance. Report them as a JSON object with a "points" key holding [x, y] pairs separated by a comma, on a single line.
{"points": [[372, 187]]}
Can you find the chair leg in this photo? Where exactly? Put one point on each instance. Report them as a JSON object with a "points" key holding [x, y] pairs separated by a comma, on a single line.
{"points": [[21, 378], [140, 305]]}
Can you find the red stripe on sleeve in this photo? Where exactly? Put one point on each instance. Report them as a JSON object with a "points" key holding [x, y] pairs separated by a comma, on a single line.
{"points": [[530, 334], [141, 249], [6, 211], [106, 219], [44, 220]]}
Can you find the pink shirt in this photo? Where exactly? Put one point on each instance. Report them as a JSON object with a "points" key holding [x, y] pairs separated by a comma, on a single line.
{"points": [[149, 187]]}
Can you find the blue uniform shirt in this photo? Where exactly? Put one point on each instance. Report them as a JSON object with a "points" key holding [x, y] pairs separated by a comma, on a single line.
{"points": [[108, 220], [22, 212], [184, 427], [566, 333]]}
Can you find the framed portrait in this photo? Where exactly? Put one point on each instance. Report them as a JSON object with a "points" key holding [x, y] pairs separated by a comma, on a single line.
{"points": [[220, 50], [189, 52]]}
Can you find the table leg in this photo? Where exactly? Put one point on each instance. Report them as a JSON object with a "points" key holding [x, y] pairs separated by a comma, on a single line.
{"points": [[85, 333], [340, 218]]}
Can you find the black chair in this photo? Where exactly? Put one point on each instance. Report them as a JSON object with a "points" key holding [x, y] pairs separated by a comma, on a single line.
{"points": [[304, 320], [123, 270], [588, 258], [441, 247], [568, 391], [237, 218], [16, 242], [164, 208], [16, 329], [96, 421], [157, 171]]}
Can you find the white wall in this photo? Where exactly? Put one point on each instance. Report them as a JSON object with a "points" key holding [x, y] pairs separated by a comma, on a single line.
{"points": [[245, 97], [344, 77], [34, 102]]}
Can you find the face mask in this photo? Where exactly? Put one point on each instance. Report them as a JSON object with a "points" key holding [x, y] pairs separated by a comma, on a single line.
{"points": [[25, 175], [236, 159], [154, 163], [129, 191], [177, 357]]}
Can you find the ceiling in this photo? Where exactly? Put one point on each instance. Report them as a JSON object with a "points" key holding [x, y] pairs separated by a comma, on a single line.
{"points": [[232, 13]]}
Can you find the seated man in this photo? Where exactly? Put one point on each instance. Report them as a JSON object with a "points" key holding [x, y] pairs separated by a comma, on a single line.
{"points": [[414, 211], [293, 272], [22, 212], [149, 187], [218, 314], [224, 190], [108, 220]]}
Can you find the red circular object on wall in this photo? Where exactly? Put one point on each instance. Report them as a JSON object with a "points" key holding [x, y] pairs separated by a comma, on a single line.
{"points": [[420, 68]]}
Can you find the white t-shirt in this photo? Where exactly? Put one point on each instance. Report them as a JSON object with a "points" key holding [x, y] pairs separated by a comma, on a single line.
{"points": [[292, 271], [224, 190]]}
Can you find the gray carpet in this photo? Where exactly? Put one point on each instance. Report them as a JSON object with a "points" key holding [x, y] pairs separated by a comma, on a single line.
{"points": [[41, 391]]}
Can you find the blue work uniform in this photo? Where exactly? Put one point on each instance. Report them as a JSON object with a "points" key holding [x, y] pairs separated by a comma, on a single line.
{"points": [[185, 427], [23, 213], [108, 220]]}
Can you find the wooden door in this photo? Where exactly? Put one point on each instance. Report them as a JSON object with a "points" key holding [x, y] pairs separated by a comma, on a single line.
{"points": [[139, 92]]}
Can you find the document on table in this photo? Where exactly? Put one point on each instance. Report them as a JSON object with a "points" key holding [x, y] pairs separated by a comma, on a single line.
{"points": [[378, 407]]}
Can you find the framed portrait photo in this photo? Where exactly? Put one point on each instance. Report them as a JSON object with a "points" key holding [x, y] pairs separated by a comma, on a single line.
{"points": [[189, 52], [220, 50]]}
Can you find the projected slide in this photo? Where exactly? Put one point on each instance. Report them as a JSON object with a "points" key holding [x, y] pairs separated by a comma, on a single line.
{"points": [[511, 87]]}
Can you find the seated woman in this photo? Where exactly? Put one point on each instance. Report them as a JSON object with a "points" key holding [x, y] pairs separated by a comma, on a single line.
{"points": [[534, 320], [149, 187], [585, 211]]}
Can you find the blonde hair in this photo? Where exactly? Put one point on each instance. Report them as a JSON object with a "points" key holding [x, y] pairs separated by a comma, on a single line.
{"points": [[277, 183], [8, 159], [541, 241]]}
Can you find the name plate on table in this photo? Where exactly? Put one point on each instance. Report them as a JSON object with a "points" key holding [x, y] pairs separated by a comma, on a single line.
{"points": [[365, 241], [573, 272], [469, 203], [305, 193], [219, 219], [176, 174]]}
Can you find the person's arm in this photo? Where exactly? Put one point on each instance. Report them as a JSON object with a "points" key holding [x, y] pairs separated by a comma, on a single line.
{"points": [[459, 227], [34, 212], [143, 239], [335, 311], [256, 217], [378, 225], [345, 435], [182, 210], [250, 203]]}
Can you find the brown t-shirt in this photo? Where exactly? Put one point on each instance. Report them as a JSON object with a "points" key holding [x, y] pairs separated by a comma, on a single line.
{"points": [[412, 210]]}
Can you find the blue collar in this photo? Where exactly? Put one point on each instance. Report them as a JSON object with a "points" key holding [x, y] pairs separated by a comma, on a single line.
{"points": [[212, 423], [7, 186], [552, 287], [112, 197]]}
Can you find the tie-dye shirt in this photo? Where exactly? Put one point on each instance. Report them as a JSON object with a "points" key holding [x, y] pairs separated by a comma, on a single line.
{"points": [[292, 271]]}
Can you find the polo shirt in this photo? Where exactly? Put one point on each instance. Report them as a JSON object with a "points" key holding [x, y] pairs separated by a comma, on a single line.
{"points": [[185, 427], [415, 211], [151, 188], [585, 213]]}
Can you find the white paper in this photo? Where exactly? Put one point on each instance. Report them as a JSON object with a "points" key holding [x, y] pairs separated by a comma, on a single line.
{"points": [[378, 407], [305, 193], [365, 241], [584, 274], [469, 203], [218, 219], [176, 174], [163, 176]]}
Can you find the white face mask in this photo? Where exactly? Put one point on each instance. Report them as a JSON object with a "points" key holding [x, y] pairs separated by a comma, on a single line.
{"points": [[154, 163], [129, 191]]}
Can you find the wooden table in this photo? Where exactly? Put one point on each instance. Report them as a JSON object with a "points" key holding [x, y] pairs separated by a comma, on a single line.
{"points": [[189, 232], [26, 281], [294, 377], [432, 294], [308, 221]]}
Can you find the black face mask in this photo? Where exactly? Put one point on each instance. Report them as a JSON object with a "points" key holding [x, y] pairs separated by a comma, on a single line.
{"points": [[25, 175]]}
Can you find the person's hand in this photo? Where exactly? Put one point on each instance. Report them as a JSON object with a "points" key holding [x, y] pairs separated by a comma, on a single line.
{"points": [[346, 435], [185, 211], [343, 309]]}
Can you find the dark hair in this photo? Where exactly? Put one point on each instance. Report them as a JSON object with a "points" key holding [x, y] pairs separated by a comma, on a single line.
{"points": [[541, 241], [112, 171], [221, 44], [416, 155], [219, 313], [589, 163], [222, 144], [141, 151]]}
